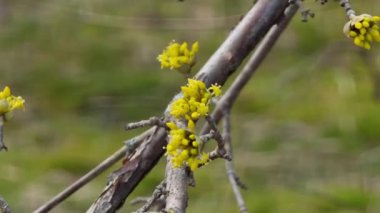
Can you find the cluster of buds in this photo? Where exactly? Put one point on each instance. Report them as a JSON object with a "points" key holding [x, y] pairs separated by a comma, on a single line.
{"points": [[194, 103], [183, 146], [178, 56], [8, 103], [363, 29]]}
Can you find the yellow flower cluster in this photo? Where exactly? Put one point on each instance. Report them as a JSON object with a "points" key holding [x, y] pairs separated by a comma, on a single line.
{"points": [[194, 103], [363, 29], [178, 56], [8, 103], [183, 146]]}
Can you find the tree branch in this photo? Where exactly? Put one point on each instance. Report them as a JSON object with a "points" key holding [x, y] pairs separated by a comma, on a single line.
{"points": [[241, 41], [219, 139], [2, 145], [153, 121], [177, 181], [160, 190], [130, 146], [233, 178], [347, 7], [219, 67], [123, 181], [4, 207]]}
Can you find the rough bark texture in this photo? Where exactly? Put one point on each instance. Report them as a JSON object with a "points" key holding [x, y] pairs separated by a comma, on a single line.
{"points": [[123, 181], [177, 183]]}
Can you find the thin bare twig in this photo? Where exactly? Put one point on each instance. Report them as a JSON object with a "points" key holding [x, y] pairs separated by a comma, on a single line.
{"points": [[214, 154], [139, 200], [347, 7], [118, 155], [233, 178], [2, 145], [206, 137], [4, 207], [160, 190], [227, 131], [219, 139], [153, 121], [107, 163]]}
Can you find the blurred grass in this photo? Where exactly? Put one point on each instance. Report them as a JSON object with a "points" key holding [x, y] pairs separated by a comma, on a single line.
{"points": [[306, 129]]}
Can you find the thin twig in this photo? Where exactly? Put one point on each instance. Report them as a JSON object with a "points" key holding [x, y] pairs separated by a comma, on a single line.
{"points": [[219, 139], [233, 178], [227, 138], [214, 154], [2, 145], [107, 163], [227, 131], [160, 190], [118, 155], [153, 121], [139, 200], [347, 7], [206, 137], [4, 207]]}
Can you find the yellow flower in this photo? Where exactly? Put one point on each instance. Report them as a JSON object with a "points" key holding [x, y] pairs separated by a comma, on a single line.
{"points": [[183, 148], [8, 102], [215, 90], [363, 29], [178, 56], [5, 93]]}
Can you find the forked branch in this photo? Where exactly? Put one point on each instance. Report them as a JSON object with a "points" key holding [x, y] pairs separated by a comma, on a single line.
{"points": [[241, 41]]}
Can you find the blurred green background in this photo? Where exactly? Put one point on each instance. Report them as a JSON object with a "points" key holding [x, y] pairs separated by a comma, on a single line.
{"points": [[306, 130]]}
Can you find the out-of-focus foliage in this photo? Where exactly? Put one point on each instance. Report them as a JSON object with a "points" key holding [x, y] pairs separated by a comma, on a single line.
{"points": [[306, 130]]}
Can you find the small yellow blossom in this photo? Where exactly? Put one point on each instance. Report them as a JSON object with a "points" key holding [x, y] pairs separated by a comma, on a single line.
{"points": [[215, 90], [8, 103], [363, 29], [178, 56]]}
